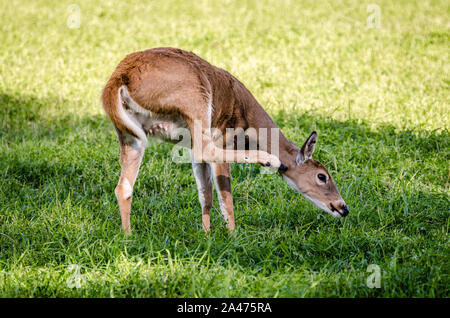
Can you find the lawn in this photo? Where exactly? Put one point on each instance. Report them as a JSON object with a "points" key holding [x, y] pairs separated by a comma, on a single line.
{"points": [[377, 96]]}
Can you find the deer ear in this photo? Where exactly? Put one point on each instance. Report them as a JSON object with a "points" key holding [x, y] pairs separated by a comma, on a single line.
{"points": [[307, 149]]}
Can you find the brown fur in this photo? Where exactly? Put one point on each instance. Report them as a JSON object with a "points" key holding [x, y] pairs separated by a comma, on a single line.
{"points": [[173, 81]]}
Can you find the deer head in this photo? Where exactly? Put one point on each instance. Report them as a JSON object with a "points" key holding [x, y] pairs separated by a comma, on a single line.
{"points": [[313, 181]]}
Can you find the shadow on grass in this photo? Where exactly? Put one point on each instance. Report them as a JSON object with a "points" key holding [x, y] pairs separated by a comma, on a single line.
{"points": [[24, 119], [48, 159]]}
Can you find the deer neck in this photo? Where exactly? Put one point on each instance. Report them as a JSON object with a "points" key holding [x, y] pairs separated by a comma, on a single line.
{"points": [[258, 118]]}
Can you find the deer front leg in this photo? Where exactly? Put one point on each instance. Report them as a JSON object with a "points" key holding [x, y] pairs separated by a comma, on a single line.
{"points": [[131, 153], [202, 174], [204, 149], [222, 181]]}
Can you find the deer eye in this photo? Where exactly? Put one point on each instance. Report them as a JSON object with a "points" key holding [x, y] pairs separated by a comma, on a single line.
{"points": [[322, 177]]}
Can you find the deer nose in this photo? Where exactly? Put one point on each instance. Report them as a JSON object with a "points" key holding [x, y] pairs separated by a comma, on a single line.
{"points": [[344, 210]]}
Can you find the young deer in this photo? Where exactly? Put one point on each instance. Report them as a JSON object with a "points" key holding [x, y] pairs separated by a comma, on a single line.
{"points": [[157, 91]]}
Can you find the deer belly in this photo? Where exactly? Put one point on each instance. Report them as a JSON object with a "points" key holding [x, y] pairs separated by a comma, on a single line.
{"points": [[165, 128]]}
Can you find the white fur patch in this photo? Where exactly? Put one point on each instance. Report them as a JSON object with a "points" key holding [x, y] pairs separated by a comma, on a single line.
{"points": [[221, 203], [210, 112], [127, 190], [123, 96]]}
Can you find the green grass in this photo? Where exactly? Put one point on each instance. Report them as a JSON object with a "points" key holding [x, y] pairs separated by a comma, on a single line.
{"points": [[379, 99]]}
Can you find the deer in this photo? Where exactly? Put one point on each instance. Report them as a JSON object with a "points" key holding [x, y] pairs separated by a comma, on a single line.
{"points": [[154, 92]]}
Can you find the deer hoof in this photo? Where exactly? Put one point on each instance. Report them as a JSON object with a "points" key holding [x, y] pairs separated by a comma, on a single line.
{"points": [[273, 162]]}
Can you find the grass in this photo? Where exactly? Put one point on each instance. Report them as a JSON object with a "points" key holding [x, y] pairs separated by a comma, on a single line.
{"points": [[379, 99]]}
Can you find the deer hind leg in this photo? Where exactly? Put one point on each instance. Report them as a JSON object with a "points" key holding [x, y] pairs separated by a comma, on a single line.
{"points": [[222, 181], [131, 153], [202, 174]]}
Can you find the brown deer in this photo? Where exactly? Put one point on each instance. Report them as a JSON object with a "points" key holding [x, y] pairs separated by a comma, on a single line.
{"points": [[157, 91]]}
